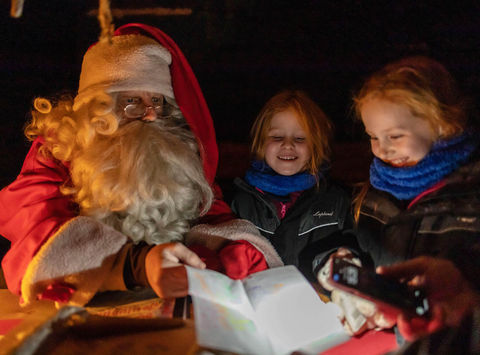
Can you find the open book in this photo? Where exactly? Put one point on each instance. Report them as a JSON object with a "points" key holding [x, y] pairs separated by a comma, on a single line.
{"points": [[275, 311]]}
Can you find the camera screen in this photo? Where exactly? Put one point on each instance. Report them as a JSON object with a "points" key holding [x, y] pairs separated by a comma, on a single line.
{"points": [[378, 287]]}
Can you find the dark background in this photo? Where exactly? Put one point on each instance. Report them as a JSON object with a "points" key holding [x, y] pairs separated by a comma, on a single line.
{"points": [[242, 51]]}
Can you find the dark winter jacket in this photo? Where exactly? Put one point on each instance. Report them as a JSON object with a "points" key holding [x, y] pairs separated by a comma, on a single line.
{"points": [[319, 221], [443, 223]]}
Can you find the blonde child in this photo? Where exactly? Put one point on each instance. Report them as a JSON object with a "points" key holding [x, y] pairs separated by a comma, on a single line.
{"points": [[286, 193], [423, 197]]}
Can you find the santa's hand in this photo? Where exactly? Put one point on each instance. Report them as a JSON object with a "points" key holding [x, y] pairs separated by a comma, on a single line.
{"points": [[165, 272], [240, 259], [450, 296]]}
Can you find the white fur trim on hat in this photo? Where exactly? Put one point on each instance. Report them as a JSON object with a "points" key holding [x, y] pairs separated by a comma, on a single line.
{"points": [[128, 63]]}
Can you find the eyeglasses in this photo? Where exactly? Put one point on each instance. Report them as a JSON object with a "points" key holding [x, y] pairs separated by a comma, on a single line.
{"points": [[136, 108]]}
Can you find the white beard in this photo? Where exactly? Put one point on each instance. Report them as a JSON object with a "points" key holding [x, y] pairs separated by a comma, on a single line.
{"points": [[145, 180]]}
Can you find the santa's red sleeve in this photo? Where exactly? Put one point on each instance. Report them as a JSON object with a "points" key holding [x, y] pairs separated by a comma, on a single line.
{"points": [[50, 244]]}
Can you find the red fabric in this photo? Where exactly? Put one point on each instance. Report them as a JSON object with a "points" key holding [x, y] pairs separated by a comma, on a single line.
{"points": [[32, 208], [219, 212], [58, 292], [435, 187], [240, 259], [237, 259], [283, 207], [372, 343], [208, 256], [416, 327], [8, 324]]}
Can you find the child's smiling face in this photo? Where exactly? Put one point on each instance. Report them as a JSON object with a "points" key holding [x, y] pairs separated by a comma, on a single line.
{"points": [[286, 149], [397, 137]]}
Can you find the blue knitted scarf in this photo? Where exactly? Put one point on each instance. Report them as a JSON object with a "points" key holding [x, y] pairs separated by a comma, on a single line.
{"points": [[266, 179], [406, 183]]}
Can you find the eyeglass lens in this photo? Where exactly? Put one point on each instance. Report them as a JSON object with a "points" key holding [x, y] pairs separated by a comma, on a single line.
{"points": [[140, 109]]}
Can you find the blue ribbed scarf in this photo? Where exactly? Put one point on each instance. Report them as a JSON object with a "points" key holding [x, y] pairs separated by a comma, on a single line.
{"points": [[266, 179], [408, 182]]}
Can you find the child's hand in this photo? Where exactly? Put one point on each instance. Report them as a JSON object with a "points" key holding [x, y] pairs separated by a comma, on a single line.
{"points": [[449, 294], [324, 274], [165, 271], [358, 314]]}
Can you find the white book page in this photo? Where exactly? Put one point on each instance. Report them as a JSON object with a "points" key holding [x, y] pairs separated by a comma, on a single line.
{"points": [[290, 311], [224, 318]]}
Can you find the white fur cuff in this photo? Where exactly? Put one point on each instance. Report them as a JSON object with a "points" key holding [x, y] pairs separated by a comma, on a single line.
{"points": [[236, 229], [80, 254]]}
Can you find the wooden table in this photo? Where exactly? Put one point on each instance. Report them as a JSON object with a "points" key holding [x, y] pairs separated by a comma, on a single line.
{"points": [[137, 335], [41, 328]]}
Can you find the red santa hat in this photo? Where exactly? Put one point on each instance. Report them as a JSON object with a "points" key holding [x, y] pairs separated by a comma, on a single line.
{"points": [[142, 57]]}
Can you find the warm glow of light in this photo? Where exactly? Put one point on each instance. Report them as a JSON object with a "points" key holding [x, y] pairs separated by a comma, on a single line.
{"points": [[146, 11], [16, 8]]}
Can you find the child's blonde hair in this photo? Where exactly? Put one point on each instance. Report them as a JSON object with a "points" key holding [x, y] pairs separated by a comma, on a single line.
{"points": [[426, 88], [317, 126]]}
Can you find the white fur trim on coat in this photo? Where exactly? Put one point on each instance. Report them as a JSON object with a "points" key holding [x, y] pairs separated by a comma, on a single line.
{"points": [[235, 229], [82, 254]]}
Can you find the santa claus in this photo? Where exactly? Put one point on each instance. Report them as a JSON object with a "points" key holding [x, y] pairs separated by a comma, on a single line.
{"points": [[119, 178]]}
